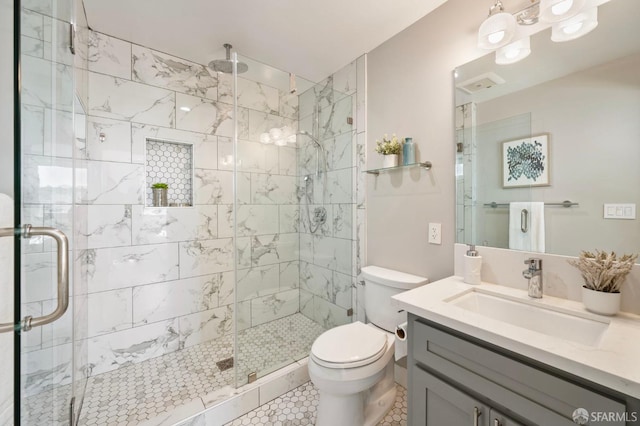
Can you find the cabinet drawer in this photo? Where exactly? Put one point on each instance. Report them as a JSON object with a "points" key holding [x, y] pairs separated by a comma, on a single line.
{"points": [[497, 376], [441, 403]]}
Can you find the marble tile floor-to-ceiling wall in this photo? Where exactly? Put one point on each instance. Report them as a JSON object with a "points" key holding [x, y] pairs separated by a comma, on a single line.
{"points": [[161, 279]]}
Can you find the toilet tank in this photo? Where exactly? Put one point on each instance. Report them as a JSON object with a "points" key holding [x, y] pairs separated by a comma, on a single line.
{"points": [[379, 285]]}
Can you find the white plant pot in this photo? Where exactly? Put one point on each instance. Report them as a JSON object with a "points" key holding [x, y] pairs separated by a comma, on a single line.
{"points": [[600, 302], [390, 160]]}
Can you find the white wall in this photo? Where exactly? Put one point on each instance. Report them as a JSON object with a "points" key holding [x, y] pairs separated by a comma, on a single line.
{"points": [[410, 93]]}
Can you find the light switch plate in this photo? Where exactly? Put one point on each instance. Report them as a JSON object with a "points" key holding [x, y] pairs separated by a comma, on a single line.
{"points": [[435, 233], [620, 211]]}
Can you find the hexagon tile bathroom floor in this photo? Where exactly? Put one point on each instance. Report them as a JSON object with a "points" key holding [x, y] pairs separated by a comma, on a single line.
{"points": [[298, 407], [136, 393]]}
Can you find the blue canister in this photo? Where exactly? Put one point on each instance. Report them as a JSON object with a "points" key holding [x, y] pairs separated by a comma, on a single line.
{"points": [[408, 152]]}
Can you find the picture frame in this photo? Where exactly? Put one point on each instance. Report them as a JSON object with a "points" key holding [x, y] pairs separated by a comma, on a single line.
{"points": [[525, 162]]}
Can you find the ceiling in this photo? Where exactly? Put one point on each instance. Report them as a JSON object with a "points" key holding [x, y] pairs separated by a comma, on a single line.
{"points": [[309, 38]]}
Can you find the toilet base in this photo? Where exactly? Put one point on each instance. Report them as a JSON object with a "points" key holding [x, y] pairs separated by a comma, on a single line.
{"points": [[364, 408], [376, 411], [350, 410], [340, 410], [381, 397]]}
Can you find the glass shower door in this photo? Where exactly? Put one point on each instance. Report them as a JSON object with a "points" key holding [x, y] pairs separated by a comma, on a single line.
{"points": [[38, 217], [294, 215]]}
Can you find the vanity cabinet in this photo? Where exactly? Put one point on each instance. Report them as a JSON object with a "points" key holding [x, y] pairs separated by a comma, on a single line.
{"points": [[439, 403], [456, 380]]}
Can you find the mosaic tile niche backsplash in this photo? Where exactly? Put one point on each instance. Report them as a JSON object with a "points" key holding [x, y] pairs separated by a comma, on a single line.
{"points": [[170, 163]]}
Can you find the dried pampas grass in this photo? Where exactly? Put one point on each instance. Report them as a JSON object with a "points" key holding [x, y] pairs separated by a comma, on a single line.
{"points": [[604, 271]]}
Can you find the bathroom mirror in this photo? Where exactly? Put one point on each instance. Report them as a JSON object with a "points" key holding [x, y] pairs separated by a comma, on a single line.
{"points": [[582, 98]]}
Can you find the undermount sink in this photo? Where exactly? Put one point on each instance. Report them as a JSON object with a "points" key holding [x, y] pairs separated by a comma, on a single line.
{"points": [[532, 316]]}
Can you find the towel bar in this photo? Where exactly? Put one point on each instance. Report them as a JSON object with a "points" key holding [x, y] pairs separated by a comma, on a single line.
{"points": [[565, 203]]}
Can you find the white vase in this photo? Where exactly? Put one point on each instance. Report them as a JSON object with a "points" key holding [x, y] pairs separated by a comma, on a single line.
{"points": [[390, 160], [600, 302]]}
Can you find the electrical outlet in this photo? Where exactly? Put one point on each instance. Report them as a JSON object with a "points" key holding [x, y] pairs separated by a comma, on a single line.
{"points": [[435, 233]]}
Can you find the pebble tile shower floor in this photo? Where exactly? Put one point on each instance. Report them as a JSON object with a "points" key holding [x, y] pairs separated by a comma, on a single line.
{"points": [[139, 392], [298, 407]]}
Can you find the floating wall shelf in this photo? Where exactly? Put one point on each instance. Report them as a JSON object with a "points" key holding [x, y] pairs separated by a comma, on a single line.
{"points": [[425, 165]]}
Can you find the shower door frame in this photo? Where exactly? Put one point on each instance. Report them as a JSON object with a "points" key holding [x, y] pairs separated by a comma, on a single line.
{"points": [[55, 359]]}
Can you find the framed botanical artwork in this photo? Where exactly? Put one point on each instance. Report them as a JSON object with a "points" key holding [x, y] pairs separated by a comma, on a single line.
{"points": [[525, 162]]}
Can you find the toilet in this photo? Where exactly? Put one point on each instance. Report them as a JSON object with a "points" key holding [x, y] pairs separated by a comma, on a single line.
{"points": [[352, 365]]}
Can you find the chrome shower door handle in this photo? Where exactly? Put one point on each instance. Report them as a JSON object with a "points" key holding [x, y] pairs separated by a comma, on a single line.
{"points": [[28, 231], [524, 220]]}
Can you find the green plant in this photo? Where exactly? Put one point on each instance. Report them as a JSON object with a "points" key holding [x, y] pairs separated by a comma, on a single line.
{"points": [[604, 271], [159, 185], [389, 146]]}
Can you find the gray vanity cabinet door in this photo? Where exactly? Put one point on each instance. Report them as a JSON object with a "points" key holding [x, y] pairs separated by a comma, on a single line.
{"points": [[436, 403], [496, 418]]}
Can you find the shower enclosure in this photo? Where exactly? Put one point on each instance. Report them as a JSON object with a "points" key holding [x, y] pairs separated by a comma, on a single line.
{"points": [[170, 307], [294, 217]]}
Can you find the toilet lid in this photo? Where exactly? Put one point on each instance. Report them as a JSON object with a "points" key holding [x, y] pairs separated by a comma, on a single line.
{"points": [[350, 345]]}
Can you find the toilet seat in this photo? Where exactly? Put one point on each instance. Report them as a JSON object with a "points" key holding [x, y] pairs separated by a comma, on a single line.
{"points": [[349, 346]]}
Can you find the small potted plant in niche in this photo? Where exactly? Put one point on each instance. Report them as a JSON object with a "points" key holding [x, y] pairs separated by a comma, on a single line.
{"points": [[159, 192], [603, 275], [390, 149]]}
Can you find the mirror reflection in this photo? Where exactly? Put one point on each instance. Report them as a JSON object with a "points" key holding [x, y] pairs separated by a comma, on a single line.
{"points": [[555, 137]]}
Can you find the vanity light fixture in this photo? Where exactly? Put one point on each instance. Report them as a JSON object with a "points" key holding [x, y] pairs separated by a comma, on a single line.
{"points": [[498, 29], [576, 26], [568, 19], [514, 52]]}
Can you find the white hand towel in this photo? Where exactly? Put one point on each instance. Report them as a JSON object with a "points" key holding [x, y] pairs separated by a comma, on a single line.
{"points": [[533, 239]]}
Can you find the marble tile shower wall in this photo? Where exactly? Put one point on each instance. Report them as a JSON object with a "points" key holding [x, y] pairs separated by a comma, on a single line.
{"points": [[162, 279], [51, 117], [465, 162], [330, 257]]}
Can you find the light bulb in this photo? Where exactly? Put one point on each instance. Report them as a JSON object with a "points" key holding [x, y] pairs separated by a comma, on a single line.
{"points": [[496, 31], [511, 53], [514, 52], [573, 28], [562, 7], [265, 138], [496, 37], [275, 133], [552, 11]]}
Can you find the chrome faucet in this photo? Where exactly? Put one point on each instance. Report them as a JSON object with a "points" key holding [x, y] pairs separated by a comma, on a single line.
{"points": [[534, 275]]}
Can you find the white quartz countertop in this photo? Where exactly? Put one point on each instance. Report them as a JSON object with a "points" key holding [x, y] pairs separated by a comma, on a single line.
{"points": [[613, 362]]}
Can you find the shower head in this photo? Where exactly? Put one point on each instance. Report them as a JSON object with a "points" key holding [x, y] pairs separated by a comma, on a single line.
{"points": [[319, 149], [226, 65], [315, 141]]}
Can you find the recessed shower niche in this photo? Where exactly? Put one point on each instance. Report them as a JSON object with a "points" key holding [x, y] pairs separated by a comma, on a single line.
{"points": [[169, 163]]}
